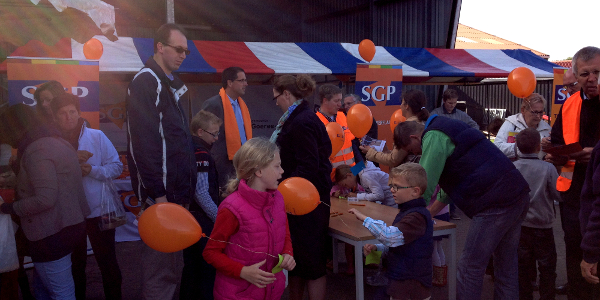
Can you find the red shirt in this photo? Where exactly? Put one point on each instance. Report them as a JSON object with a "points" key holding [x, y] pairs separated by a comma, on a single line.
{"points": [[226, 225]]}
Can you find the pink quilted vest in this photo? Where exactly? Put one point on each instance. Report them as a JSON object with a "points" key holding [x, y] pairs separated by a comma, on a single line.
{"points": [[262, 220]]}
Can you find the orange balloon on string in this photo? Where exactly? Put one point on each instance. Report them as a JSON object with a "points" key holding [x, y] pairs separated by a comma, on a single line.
{"points": [[336, 135], [93, 49], [396, 119], [521, 82], [168, 227], [360, 120], [299, 195], [366, 49]]}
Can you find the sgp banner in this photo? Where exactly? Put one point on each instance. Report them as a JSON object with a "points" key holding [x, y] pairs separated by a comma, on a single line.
{"points": [[560, 94], [380, 88], [78, 77]]}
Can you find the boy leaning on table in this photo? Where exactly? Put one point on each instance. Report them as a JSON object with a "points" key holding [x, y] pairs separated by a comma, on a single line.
{"points": [[409, 241]]}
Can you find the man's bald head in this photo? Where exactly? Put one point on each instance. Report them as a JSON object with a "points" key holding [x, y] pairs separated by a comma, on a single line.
{"points": [[570, 82]]}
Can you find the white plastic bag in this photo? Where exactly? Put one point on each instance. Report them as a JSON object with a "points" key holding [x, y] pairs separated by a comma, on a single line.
{"points": [[8, 247], [112, 212]]}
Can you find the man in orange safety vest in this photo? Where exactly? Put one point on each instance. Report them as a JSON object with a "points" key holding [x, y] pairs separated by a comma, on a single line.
{"points": [[577, 121], [331, 102]]}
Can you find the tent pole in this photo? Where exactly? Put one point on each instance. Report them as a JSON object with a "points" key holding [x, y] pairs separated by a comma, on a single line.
{"points": [[170, 11]]}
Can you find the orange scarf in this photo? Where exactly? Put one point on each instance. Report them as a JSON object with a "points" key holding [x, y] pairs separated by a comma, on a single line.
{"points": [[232, 135]]}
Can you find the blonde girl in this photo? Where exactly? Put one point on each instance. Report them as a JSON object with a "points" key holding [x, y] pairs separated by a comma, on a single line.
{"points": [[251, 228]]}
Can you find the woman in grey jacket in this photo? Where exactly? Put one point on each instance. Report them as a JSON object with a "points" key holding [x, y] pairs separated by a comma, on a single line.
{"points": [[50, 199]]}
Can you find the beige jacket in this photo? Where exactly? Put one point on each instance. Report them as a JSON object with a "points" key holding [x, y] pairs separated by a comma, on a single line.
{"points": [[51, 195], [393, 158]]}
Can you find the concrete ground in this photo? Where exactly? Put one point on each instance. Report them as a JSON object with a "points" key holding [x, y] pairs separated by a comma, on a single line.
{"points": [[339, 286]]}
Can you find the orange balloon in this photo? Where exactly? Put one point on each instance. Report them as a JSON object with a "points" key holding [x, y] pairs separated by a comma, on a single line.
{"points": [[360, 120], [299, 195], [396, 119], [93, 49], [521, 82], [336, 135], [168, 227], [366, 49]]}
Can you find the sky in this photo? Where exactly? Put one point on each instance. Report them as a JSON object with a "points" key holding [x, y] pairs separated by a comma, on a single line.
{"points": [[557, 28]]}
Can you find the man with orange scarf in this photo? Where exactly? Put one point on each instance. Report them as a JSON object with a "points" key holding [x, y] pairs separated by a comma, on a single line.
{"points": [[237, 125]]}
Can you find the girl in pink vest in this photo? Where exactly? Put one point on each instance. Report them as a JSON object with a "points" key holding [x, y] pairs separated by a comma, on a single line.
{"points": [[251, 228]]}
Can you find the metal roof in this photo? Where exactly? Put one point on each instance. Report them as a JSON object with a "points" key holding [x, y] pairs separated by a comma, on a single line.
{"points": [[563, 63]]}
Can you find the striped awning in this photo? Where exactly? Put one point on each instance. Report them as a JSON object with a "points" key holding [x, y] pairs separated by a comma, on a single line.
{"points": [[419, 64]]}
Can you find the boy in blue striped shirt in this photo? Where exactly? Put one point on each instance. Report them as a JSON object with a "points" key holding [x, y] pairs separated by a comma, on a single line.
{"points": [[408, 242]]}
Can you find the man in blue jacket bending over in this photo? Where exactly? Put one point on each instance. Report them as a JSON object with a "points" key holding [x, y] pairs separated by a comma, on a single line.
{"points": [[486, 186]]}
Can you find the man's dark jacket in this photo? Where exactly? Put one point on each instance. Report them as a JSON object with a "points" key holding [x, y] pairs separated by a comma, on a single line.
{"points": [[159, 144]]}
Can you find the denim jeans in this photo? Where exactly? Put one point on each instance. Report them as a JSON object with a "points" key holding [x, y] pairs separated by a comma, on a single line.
{"points": [[53, 280], [537, 245], [494, 231]]}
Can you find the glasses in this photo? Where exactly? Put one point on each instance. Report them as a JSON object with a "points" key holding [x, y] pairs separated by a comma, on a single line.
{"points": [[275, 98], [179, 49], [395, 188], [540, 113], [571, 85], [215, 135], [242, 80]]}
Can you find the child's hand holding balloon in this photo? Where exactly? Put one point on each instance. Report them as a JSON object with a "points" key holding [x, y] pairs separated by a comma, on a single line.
{"points": [[368, 248], [288, 262]]}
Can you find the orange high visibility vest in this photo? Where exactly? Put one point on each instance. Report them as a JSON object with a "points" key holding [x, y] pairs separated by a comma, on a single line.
{"points": [[345, 156], [571, 124]]}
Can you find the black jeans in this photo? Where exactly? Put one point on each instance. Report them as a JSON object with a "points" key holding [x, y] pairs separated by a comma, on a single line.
{"points": [[537, 244], [103, 244]]}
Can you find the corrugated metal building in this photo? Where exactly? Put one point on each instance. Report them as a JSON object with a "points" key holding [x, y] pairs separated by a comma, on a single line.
{"points": [[407, 23], [410, 23]]}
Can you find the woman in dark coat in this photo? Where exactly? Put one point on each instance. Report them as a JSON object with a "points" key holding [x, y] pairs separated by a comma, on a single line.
{"points": [[305, 149]]}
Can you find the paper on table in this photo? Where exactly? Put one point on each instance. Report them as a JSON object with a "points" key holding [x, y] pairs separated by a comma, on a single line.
{"points": [[373, 143], [373, 258]]}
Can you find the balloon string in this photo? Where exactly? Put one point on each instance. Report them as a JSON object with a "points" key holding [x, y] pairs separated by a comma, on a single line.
{"points": [[258, 252]]}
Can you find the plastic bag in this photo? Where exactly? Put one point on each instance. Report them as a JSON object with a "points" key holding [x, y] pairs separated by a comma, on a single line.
{"points": [[112, 212], [8, 247]]}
